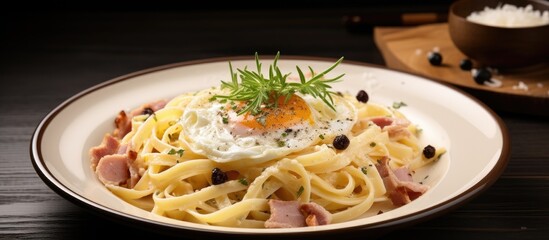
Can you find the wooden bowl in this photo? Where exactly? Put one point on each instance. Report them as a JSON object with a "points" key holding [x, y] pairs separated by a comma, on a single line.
{"points": [[498, 46]]}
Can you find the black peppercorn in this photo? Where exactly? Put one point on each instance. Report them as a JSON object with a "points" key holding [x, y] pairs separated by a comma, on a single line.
{"points": [[218, 176], [429, 151], [481, 75], [341, 142], [434, 58], [147, 111], [466, 65], [362, 96]]}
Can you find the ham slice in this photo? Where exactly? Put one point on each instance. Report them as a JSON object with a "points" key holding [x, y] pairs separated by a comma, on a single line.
{"points": [[290, 214], [133, 167], [396, 127], [316, 214], [154, 106], [113, 169], [123, 125], [115, 163], [108, 146], [123, 121], [399, 183], [285, 214]]}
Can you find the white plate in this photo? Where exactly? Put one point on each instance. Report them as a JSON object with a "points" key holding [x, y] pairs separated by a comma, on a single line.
{"points": [[476, 139]]}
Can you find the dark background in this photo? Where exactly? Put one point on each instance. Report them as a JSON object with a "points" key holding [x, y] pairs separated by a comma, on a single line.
{"points": [[50, 51]]}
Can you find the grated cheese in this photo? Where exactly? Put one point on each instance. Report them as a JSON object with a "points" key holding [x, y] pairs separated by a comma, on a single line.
{"points": [[510, 16]]}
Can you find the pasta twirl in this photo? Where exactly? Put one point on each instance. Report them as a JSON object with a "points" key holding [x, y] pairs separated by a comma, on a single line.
{"points": [[165, 169]]}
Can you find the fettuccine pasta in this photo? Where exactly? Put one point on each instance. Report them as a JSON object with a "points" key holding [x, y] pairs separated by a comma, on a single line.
{"points": [[155, 161]]}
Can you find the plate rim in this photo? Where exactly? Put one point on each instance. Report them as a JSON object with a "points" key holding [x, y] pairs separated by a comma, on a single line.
{"points": [[112, 214]]}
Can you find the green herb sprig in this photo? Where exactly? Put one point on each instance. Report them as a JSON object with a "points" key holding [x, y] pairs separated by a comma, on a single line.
{"points": [[258, 90]]}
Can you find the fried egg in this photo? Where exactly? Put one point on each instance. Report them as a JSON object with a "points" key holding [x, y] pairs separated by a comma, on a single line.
{"points": [[214, 129]]}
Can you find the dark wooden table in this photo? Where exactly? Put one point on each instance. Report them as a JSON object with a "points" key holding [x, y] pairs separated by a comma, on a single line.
{"points": [[46, 57]]}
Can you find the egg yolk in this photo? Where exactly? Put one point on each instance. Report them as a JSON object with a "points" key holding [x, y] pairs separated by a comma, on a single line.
{"points": [[285, 115]]}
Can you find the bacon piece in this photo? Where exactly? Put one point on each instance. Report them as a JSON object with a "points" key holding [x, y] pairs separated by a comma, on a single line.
{"points": [[108, 146], [285, 214], [122, 149], [399, 184], [123, 125], [382, 121], [113, 169], [396, 127], [134, 175], [155, 106], [316, 214], [123, 121], [290, 214]]}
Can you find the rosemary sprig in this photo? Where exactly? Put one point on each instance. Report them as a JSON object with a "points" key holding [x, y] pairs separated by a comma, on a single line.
{"points": [[258, 91]]}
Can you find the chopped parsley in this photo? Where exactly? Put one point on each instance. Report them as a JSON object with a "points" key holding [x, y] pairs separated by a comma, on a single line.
{"points": [[372, 144], [364, 170], [225, 120], [281, 143], [178, 152], [243, 181], [397, 105], [321, 136], [300, 191]]}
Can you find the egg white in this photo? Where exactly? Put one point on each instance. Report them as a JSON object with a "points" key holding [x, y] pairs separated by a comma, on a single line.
{"points": [[207, 132]]}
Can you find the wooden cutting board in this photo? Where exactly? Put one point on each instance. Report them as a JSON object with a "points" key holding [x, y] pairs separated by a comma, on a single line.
{"points": [[406, 49]]}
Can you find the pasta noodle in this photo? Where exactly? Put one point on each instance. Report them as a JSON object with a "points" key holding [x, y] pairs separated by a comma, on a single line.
{"points": [[346, 183], [293, 155]]}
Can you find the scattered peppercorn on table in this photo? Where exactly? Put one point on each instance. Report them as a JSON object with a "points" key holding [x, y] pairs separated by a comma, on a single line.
{"points": [[428, 50]]}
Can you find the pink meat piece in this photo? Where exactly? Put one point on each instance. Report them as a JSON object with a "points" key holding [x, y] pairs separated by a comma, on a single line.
{"points": [[113, 169], [122, 149], [134, 175], [290, 214], [399, 184], [382, 121], [396, 127], [123, 121], [403, 174], [315, 214], [155, 106], [285, 214], [123, 125], [108, 146], [134, 168]]}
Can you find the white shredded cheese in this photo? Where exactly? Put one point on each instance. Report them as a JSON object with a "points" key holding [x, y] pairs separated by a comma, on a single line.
{"points": [[510, 16], [494, 82], [521, 86]]}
